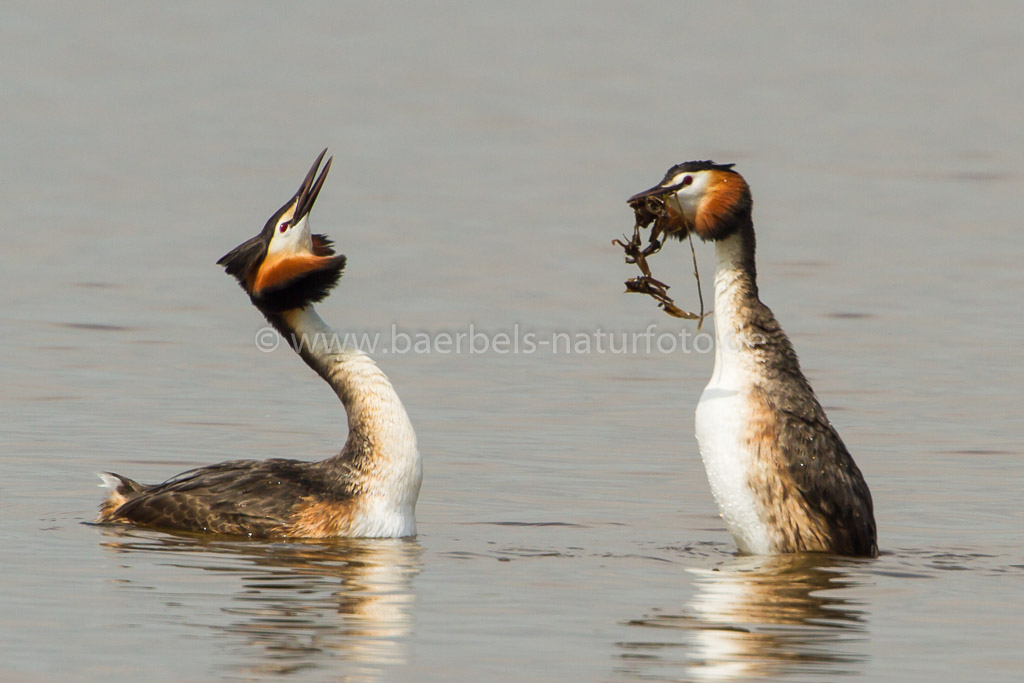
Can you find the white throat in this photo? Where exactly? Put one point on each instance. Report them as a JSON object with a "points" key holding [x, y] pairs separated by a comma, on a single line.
{"points": [[730, 362]]}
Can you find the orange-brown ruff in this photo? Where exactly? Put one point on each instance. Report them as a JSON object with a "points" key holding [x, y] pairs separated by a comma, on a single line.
{"points": [[783, 479], [369, 489]]}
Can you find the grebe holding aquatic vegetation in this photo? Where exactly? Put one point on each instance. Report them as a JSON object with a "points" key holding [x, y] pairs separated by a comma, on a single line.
{"points": [[369, 489], [782, 477]]}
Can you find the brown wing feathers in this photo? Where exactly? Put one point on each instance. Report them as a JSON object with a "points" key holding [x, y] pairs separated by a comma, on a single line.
{"points": [[242, 497]]}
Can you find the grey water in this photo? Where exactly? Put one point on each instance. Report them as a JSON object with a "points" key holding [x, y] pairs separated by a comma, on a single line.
{"points": [[483, 155]]}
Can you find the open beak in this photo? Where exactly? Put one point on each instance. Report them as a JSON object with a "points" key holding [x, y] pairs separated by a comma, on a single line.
{"points": [[248, 262], [310, 190]]}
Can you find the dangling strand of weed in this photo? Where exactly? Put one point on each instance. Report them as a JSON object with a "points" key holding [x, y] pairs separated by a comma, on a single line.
{"points": [[696, 274]]}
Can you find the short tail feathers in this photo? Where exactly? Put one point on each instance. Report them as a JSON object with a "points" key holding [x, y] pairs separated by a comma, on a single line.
{"points": [[122, 489]]}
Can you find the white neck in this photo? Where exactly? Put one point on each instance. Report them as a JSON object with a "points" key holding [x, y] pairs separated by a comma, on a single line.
{"points": [[731, 279], [380, 432]]}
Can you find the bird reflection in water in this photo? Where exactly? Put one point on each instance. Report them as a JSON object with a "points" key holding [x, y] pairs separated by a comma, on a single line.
{"points": [[757, 617], [339, 607]]}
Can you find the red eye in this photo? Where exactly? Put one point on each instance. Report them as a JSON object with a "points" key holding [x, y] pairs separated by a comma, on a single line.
{"points": [[687, 180], [284, 226]]}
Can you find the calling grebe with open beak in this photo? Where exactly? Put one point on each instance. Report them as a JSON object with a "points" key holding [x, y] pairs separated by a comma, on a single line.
{"points": [[782, 477], [369, 489]]}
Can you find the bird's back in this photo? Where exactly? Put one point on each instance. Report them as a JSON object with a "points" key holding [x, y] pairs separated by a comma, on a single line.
{"points": [[783, 478], [256, 498]]}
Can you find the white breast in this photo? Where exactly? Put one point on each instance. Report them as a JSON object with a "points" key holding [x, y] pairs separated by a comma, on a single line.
{"points": [[380, 519], [722, 415]]}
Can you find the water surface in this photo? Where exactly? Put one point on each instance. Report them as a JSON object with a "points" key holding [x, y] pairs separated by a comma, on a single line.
{"points": [[483, 154]]}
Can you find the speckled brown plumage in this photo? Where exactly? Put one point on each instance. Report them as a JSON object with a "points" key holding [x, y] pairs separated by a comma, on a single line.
{"points": [[813, 494], [257, 498]]}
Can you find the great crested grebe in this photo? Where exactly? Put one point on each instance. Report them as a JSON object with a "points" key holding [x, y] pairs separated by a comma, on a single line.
{"points": [[367, 490], [783, 479]]}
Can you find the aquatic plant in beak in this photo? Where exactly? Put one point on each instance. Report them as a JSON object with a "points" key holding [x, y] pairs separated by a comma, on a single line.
{"points": [[650, 208]]}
